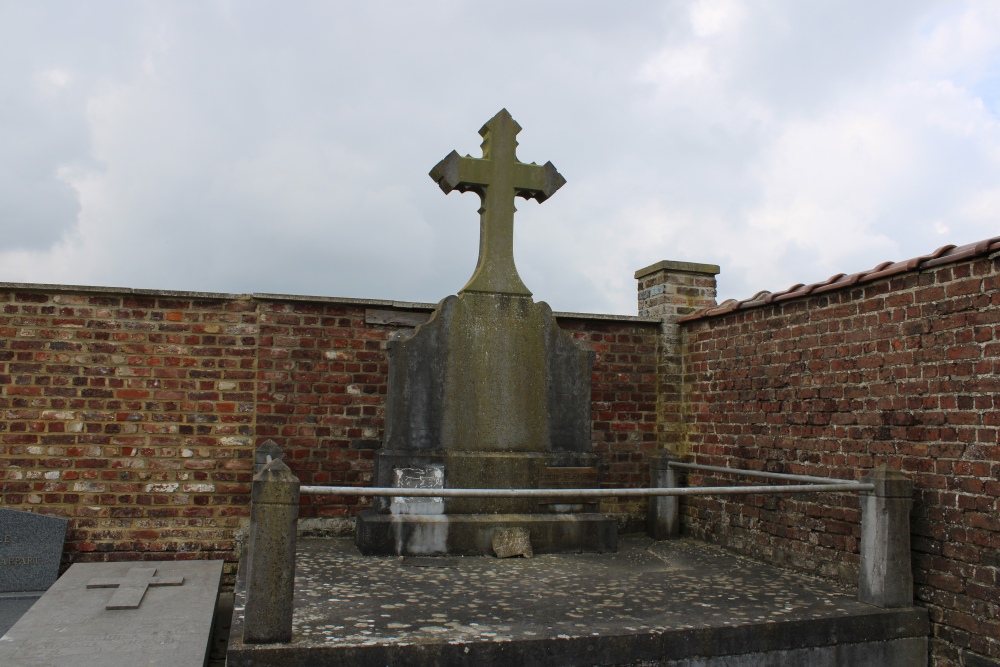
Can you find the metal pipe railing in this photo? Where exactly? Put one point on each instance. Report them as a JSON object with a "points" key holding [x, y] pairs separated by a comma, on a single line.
{"points": [[808, 479], [577, 493]]}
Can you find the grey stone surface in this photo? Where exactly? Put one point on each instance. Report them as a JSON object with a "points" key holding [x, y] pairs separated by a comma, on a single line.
{"points": [[510, 542], [885, 571], [686, 267], [649, 604], [70, 625], [13, 606], [131, 588], [270, 557], [489, 372], [31, 546]]}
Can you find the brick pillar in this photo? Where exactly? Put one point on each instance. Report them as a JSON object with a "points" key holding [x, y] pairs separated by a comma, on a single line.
{"points": [[670, 290]]}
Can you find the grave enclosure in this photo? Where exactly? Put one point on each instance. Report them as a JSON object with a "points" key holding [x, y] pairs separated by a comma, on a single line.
{"points": [[134, 414]]}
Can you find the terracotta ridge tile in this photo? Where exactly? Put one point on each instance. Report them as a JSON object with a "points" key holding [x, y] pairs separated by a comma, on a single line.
{"points": [[946, 254]]}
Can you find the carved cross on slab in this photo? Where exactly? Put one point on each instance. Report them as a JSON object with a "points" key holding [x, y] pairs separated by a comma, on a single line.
{"points": [[133, 586], [497, 177]]}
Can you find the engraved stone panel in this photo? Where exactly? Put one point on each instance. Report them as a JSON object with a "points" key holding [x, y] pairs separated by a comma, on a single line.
{"points": [[509, 542], [30, 548], [430, 477]]}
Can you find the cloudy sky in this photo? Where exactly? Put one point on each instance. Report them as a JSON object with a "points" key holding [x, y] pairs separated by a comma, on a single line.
{"points": [[284, 147]]}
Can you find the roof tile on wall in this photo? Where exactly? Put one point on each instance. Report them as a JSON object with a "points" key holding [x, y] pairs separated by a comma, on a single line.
{"points": [[947, 254]]}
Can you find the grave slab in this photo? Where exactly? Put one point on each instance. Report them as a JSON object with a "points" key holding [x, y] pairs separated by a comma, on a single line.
{"points": [[679, 603], [76, 624]]}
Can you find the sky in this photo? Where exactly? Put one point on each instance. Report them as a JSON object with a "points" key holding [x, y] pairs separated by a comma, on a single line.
{"points": [[285, 147]]}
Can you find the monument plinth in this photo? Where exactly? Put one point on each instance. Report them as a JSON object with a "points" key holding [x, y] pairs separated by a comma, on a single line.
{"points": [[489, 393]]}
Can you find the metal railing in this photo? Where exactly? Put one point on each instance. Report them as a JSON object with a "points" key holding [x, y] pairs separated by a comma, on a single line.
{"points": [[885, 577], [808, 479], [812, 485]]}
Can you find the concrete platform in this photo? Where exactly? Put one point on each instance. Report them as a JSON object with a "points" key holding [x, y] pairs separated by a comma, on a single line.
{"points": [[680, 603]]}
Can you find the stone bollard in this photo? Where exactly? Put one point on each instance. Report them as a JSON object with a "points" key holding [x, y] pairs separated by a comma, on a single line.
{"points": [[663, 519], [886, 576], [274, 509], [267, 452]]}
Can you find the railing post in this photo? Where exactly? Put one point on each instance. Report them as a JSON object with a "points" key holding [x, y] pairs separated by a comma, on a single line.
{"points": [[886, 576], [274, 509], [663, 516]]}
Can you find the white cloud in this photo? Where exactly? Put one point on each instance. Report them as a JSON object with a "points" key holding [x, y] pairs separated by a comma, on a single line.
{"points": [[260, 147]]}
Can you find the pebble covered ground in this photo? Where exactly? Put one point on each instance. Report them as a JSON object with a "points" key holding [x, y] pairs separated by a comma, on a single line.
{"points": [[345, 599]]}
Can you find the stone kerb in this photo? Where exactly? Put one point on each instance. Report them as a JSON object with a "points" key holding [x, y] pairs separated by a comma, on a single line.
{"points": [[886, 576], [670, 290], [274, 508]]}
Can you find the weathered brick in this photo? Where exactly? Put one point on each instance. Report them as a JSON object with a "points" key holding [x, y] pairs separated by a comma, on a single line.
{"points": [[918, 395]]}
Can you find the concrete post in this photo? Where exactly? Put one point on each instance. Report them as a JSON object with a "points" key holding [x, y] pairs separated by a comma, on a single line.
{"points": [[274, 509], [663, 520], [267, 451], [886, 577]]}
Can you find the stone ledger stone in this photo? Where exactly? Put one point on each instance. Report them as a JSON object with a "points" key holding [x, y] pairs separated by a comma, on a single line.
{"points": [[71, 626]]}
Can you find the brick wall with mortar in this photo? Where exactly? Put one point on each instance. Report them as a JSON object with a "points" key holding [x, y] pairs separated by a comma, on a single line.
{"points": [[131, 414], [134, 413], [903, 371], [668, 291]]}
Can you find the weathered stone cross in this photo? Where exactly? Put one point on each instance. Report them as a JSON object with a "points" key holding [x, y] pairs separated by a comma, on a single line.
{"points": [[497, 177], [132, 587]]}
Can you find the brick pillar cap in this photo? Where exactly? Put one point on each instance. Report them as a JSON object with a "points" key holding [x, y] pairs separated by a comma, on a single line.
{"points": [[889, 482], [681, 267], [662, 459]]}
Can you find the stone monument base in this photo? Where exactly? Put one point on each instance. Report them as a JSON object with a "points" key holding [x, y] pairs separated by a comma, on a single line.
{"points": [[472, 534]]}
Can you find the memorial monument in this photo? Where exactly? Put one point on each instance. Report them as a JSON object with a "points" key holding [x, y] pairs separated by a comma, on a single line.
{"points": [[489, 393]]}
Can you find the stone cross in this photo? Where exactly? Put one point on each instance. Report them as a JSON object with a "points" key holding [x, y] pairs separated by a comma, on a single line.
{"points": [[497, 177], [133, 586]]}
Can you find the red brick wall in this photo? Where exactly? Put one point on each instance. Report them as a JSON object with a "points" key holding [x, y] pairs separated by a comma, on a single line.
{"points": [[131, 415], [624, 418], [903, 371], [134, 414]]}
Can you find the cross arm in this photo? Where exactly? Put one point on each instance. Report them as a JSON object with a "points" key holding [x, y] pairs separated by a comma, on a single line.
{"points": [[537, 182], [455, 172]]}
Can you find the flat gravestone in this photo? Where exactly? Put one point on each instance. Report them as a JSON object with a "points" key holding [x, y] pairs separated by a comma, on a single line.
{"points": [[119, 614], [31, 546]]}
